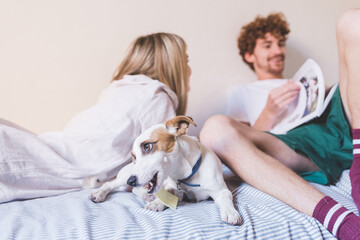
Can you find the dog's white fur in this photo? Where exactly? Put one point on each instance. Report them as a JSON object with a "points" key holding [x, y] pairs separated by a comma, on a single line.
{"points": [[164, 152]]}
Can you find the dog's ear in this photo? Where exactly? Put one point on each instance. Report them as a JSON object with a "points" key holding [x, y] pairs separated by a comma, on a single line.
{"points": [[179, 125]]}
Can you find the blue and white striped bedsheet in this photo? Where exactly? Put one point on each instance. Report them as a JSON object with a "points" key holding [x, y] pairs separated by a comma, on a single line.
{"points": [[122, 216]]}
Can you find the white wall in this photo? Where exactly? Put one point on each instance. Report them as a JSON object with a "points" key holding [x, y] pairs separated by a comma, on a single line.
{"points": [[57, 56]]}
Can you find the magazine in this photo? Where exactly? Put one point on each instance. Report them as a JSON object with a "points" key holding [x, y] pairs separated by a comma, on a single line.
{"points": [[310, 102]]}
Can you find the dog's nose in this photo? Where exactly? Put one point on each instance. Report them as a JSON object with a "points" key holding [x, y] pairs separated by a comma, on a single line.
{"points": [[132, 181]]}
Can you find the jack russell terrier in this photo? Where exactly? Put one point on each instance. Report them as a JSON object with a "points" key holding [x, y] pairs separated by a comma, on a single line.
{"points": [[164, 156]]}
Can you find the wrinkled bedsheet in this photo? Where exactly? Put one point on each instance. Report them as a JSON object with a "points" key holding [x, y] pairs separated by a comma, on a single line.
{"points": [[122, 216]]}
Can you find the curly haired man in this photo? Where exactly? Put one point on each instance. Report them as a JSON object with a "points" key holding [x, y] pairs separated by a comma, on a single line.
{"points": [[262, 47], [322, 148]]}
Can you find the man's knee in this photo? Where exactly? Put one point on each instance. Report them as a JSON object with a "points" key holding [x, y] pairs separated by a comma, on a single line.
{"points": [[215, 129], [348, 25], [221, 132]]}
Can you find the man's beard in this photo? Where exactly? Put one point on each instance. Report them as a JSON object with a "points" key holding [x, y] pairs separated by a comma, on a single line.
{"points": [[276, 70]]}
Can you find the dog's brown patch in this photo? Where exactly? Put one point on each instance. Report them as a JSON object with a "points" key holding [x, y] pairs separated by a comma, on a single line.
{"points": [[133, 157], [164, 141]]}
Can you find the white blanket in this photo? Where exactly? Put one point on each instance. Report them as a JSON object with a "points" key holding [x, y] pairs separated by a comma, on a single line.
{"points": [[96, 142]]}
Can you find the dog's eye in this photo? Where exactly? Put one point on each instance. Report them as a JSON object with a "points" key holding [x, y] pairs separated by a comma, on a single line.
{"points": [[147, 147]]}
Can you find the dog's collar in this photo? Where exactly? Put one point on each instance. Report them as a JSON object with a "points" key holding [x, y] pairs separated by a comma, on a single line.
{"points": [[194, 170]]}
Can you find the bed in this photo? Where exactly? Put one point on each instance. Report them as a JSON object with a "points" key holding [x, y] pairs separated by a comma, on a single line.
{"points": [[122, 216]]}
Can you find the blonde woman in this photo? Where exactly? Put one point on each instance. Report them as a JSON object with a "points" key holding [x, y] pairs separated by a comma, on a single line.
{"points": [[150, 86]]}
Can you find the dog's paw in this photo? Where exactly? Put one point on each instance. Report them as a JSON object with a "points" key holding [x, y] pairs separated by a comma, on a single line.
{"points": [[232, 217], [98, 196], [155, 205]]}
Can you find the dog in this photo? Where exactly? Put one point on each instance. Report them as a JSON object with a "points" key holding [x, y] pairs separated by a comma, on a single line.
{"points": [[164, 156]]}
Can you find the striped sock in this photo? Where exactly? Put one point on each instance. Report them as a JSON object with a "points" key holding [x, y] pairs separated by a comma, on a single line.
{"points": [[355, 169], [342, 223]]}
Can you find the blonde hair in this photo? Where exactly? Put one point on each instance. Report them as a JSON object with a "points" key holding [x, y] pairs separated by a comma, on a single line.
{"points": [[160, 56]]}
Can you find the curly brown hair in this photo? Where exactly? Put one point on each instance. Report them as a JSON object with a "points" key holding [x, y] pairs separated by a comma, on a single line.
{"points": [[275, 24]]}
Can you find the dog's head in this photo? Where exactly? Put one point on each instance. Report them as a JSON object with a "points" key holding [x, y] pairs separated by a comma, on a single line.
{"points": [[153, 151]]}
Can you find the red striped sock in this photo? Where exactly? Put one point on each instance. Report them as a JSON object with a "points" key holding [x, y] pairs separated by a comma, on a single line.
{"points": [[355, 169], [342, 223]]}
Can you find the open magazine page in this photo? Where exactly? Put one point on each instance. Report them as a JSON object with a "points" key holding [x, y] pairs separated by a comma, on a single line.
{"points": [[329, 96], [309, 103]]}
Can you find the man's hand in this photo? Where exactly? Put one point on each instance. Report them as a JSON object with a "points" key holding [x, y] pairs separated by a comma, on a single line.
{"points": [[279, 98]]}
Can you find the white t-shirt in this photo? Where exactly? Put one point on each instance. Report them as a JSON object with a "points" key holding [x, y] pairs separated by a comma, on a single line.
{"points": [[96, 141], [247, 101]]}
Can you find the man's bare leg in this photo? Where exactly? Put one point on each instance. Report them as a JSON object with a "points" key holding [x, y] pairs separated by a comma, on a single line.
{"points": [[348, 37], [248, 153], [233, 143]]}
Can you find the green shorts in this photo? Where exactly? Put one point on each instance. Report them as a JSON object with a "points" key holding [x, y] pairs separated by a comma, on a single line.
{"points": [[326, 140]]}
